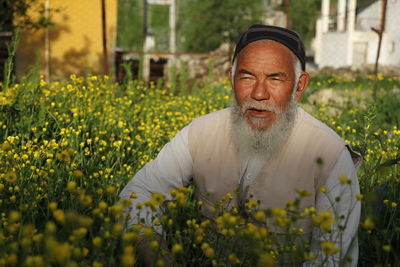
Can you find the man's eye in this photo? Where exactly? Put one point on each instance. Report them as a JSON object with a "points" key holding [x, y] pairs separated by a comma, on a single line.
{"points": [[276, 79]]}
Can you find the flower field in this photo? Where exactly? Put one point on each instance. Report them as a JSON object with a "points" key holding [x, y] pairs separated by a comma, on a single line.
{"points": [[68, 148]]}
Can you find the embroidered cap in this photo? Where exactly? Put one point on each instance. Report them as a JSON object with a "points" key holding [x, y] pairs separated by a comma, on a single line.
{"points": [[288, 38]]}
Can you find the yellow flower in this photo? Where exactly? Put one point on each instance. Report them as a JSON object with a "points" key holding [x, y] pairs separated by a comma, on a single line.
{"points": [[302, 193], [148, 231], [96, 241], [10, 177], [12, 259], [324, 219], [368, 223], [209, 252], [233, 258], [281, 219], [344, 179], [59, 215], [128, 260], [63, 156], [328, 247], [154, 245], [110, 189], [77, 174], [266, 260], [158, 198], [130, 237], [117, 228], [85, 200], [176, 248], [128, 257], [71, 186], [14, 216], [308, 256], [260, 215], [103, 205], [59, 251], [34, 261], [387, 248]]}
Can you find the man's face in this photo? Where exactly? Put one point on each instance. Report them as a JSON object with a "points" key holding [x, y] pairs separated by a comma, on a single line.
{"points": [[263, 82]]}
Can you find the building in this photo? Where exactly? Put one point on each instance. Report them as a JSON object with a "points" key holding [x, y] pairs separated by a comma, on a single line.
{"points": [[74, 44], [347, 38]]}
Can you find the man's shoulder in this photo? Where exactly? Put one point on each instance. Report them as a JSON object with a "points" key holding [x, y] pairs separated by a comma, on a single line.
{"points": [[213, 117], [307, 120]]}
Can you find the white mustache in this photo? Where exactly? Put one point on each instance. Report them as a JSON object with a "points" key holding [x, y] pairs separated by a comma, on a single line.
{"points": [[260, 106]]}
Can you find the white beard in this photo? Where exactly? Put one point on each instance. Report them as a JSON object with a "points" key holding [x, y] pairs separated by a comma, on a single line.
{"points": [[260, 145]]}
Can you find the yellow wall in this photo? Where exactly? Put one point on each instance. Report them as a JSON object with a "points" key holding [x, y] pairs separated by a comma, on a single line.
{"points": [[75, 40]]}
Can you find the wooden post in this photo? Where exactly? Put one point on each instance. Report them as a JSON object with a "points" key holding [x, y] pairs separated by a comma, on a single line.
{"points": [[104, 31], [380, 35], [287, 11], [47, 59], [146, 58]]}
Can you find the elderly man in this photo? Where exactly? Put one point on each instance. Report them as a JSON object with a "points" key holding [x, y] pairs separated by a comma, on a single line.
{"points": [[264, 145]]}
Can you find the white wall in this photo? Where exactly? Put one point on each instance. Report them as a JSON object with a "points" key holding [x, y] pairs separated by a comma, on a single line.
{"points": [[333, 49], [391, 40]]}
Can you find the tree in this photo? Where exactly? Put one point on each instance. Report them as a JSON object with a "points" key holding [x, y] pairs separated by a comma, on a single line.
{"points": [[130, 25], [303, 15], [203, 25], [15, 13]]}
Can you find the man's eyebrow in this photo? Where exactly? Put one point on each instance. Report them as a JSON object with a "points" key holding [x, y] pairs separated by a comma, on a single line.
{"points": [[277, 74], [243, 71]]}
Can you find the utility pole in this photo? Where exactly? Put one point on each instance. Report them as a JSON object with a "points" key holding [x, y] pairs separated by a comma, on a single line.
{"points": [[146, 59], [104, 31], [47, 42]]}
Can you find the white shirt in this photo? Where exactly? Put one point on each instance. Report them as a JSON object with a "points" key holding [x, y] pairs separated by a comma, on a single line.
{"points": [[173, 168]]}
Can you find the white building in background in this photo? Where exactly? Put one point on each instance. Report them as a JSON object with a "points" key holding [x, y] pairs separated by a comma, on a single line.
{"points": [[346, 38]]}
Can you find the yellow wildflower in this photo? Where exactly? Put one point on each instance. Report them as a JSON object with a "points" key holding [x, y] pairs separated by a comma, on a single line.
{"points": [[328, 247]]}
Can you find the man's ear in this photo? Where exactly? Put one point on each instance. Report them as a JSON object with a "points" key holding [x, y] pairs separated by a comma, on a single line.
{"points": [[302, 84], [230, 75]]}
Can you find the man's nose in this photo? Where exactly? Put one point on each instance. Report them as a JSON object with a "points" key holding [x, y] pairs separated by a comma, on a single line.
{"points": [[260, 91]]}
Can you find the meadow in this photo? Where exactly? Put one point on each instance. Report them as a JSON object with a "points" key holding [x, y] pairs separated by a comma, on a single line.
{"points": [[67, 148]]}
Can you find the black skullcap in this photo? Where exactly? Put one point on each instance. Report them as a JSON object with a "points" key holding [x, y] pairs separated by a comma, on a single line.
{"points": [[289, 38]]}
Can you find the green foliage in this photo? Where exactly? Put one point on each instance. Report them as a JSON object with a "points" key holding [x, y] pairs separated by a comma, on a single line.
{"points": [[9, 64], [18, 13], [159, 23], [130, 25], [303, 15], [204, 25]]}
